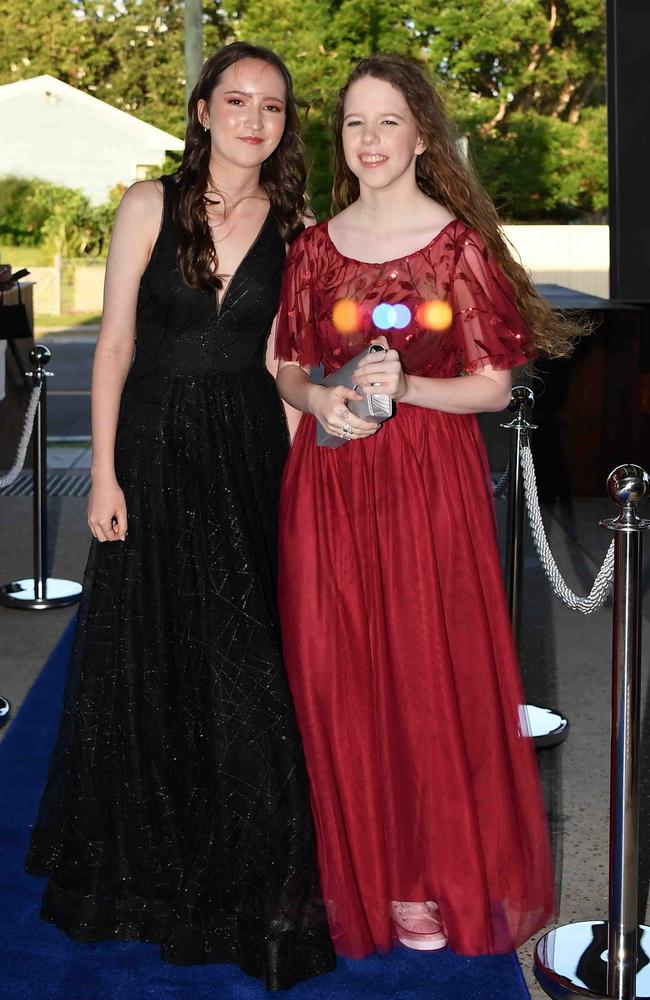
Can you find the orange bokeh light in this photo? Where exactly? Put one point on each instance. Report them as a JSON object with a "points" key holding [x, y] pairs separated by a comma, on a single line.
{"points": [[434, 315], [346, 316]]}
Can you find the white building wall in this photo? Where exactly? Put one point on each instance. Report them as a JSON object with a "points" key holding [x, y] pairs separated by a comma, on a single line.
{"points": [[574, 256], [50, 136]]}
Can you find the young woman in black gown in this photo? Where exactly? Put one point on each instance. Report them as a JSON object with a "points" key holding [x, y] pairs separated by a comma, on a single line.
{"points": [[176, 805]]}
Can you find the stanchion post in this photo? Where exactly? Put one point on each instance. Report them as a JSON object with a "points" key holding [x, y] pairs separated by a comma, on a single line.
{"points": [[42, 591], [611, 958], [41, 357], [522, 397], [627, 486], [547, 727]]}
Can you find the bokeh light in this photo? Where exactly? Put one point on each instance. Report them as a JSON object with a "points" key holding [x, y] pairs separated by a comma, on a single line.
{"points": [[402, 316], [345, 316], [384, 316], [434, 315], [388, 317]]}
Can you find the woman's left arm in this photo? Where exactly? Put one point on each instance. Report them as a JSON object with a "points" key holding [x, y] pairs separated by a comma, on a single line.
{"points": [[481, 392], [293, 416]]}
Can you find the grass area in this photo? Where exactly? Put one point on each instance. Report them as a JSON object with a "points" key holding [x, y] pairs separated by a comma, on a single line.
{"points": [[26, 256], [66, 319]]}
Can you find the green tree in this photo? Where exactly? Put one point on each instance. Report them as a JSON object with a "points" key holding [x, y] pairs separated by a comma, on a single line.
{"points": [[524, 79], [62, 219], [129, 54], [42, 36], [21, 221]]}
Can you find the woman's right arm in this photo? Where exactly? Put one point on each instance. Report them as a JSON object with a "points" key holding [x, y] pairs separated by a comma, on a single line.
{"points": [[134, 233]]}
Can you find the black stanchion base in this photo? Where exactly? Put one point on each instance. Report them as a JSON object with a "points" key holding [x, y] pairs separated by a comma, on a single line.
{"points": [[5, 711], [56, 594], [571, 961], [547, 728]]}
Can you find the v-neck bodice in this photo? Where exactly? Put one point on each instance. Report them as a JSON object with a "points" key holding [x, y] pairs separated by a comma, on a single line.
{"points": [[222, 294], [184, 331]]}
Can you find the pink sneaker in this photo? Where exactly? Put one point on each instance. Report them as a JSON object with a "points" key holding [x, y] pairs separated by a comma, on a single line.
{"points": [[418, 927]]}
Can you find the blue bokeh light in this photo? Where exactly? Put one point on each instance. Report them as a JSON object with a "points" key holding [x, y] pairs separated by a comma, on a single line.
{"points": [[402, 316], [383, 316], [386, 317]]}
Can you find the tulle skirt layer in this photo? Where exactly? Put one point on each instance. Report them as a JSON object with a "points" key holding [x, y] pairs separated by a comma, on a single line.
{"points": [[401, 661], [176, 808]]}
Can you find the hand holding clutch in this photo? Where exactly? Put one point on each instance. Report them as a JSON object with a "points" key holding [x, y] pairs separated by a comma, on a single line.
{"points": [[373, 408]]}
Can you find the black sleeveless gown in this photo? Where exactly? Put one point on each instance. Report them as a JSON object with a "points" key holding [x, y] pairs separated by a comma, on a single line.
{"points": [[176, 807]]}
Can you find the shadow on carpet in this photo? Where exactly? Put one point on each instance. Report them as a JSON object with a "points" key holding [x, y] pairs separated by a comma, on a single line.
{"points": [[38, 962]]}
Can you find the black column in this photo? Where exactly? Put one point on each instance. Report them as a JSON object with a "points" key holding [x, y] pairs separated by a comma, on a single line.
{"points": [[628, 102]]}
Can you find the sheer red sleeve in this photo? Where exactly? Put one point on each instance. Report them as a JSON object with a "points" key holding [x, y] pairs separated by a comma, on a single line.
{"points": [[487, 325], [296, 337]]}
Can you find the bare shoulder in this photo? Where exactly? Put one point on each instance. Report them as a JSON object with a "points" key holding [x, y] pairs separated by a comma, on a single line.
{"points": [[140, 211], [144, 195], [143, 200]]}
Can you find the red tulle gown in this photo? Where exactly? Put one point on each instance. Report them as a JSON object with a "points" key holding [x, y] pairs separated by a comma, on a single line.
{"points": [[396, 633]]}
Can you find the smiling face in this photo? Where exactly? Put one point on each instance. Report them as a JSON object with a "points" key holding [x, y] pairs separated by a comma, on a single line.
{"points": [[380, 135], [246, 112]]}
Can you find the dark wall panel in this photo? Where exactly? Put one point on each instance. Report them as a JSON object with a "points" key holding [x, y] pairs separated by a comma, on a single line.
{"points": [[628, 100]]}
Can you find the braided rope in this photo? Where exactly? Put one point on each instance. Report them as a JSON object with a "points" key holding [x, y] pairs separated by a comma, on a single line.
{"points": [[603, 582], [11, 476]]}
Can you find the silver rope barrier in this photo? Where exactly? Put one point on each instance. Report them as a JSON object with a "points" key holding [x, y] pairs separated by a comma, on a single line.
{"points": [[546, 726], [603, 582], [12, 475], [611, 958], [41, 591]]}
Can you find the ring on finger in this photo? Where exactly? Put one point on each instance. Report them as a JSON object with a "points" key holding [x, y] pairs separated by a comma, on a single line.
{"points": [[347, 428]]}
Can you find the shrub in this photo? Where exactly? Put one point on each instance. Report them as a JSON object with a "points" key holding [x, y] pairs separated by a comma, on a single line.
{"points": [[62, 219]]}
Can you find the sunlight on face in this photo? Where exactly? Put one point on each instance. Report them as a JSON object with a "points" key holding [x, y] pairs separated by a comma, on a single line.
{"points": [[246, 113], [380, 136]]}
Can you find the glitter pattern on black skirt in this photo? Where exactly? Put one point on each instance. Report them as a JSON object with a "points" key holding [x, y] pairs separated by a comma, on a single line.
{"points": [[176, 808]]}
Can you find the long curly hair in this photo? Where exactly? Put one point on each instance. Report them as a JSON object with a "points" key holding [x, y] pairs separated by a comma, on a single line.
{"points": [[283, 175], [443, 173]]}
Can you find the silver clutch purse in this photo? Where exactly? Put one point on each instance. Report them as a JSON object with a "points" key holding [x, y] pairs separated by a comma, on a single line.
{"points": [[375, 408]]}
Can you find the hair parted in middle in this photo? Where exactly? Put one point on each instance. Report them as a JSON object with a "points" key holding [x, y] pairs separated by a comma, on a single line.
{"points": [[283, 175], [444, 174]]}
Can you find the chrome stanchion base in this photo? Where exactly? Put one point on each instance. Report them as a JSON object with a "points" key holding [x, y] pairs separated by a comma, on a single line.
{"points": [[5, 711], [57, 593], [571, 961], [547, 728]]}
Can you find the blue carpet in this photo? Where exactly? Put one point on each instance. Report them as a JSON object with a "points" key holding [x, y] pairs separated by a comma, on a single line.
{"points": [[38, 962]]}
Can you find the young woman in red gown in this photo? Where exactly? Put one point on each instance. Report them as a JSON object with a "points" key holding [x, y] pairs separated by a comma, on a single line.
{"points": [[424, 785]]}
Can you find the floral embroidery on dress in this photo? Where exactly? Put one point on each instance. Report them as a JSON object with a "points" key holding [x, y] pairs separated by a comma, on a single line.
{"points": [[455, 267]]}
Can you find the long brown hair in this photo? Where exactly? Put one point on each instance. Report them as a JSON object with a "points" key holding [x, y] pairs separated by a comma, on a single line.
{"points": [[283, 175], [442, 173]]}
